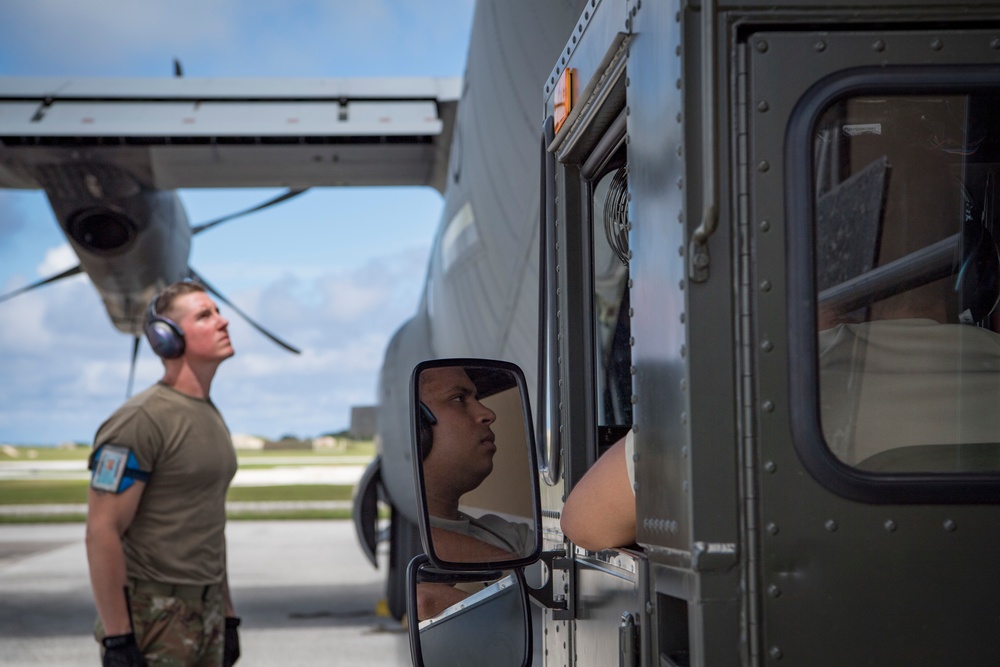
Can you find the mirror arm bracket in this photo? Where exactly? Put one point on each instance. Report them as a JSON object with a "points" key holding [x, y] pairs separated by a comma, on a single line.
{"points": [[560, 604]]}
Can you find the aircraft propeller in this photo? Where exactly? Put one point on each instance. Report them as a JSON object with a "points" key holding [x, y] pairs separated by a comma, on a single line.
{"points": [[45, 281], [285, 196], [195, 229]]}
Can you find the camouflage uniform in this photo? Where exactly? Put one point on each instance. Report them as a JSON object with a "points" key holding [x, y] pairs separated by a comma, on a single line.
{"points": [[176, 626], [178, 531]]}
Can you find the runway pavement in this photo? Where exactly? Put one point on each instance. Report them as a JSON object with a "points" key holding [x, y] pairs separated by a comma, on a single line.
{"points": [[306, 594]]}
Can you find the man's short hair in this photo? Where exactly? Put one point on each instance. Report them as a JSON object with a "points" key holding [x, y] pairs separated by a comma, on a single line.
{"points": [[165, 301]]}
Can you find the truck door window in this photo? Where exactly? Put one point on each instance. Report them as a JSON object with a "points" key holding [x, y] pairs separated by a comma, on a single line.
{"points": [[906, 201], [612, 351]]}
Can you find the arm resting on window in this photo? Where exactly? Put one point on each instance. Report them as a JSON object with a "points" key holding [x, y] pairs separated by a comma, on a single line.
{"points": [[600, 510]]}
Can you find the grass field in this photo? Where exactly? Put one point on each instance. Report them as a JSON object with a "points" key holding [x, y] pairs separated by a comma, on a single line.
{"points": [[68, 492], [352, 449], [48, 491]]}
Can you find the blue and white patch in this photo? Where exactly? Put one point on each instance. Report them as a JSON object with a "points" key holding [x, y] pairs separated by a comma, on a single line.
{"points": [[114, 469]]}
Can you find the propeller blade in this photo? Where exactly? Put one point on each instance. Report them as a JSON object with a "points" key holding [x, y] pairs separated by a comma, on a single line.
{"points": [[51, 279], [285, 196], [131, 372], [239, 312]]}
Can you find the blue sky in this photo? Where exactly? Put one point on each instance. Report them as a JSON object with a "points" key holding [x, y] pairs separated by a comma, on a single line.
{"points": [[334, 271]]}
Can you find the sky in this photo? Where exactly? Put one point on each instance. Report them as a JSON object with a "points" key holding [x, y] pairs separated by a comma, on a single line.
{"points": [[335, 271]]}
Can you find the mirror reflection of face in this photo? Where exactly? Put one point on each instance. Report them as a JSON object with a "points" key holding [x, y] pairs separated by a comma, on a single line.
{"points": [[462, 444]]}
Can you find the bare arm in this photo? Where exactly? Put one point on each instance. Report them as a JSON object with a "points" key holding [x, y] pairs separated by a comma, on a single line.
{"points": [[108, 517], [464, 549], [600, 510]]}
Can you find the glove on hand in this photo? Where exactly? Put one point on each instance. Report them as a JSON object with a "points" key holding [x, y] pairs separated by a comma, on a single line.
{"points": [[231, 650], [122, 651]]}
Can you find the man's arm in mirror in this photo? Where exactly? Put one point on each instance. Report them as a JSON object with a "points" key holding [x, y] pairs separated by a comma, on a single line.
{"points": [[459, 548], [600, 510], [433, 598]]}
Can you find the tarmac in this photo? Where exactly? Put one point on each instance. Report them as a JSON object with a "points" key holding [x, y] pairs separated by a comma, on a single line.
{"points": [[305, 592]]}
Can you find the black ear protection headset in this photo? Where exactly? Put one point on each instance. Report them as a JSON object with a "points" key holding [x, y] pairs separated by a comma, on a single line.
{"points": [[978, 279], [164, 336], [425, 436]]}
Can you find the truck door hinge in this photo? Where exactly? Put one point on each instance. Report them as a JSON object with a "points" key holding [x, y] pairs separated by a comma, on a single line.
{"points": [[559, 602]]}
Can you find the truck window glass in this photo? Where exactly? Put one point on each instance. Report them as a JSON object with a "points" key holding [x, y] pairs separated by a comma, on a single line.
{"points": [[611, 304], [906, 199]]}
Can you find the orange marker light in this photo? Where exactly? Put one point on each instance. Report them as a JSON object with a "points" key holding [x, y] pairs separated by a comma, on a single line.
{"points": [[564, 97]]}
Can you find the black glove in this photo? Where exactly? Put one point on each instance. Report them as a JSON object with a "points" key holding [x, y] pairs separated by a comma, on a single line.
{"points": [[122, 651], [231, 650]]}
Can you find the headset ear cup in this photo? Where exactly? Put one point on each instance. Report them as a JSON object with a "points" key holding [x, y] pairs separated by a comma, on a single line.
{"points": [[165, 337], [979, 280], [425, 436]]}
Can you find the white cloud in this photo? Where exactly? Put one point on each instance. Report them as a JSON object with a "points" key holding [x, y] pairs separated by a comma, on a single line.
{"points": [[57, 260], [23, 325], [348, 300]]}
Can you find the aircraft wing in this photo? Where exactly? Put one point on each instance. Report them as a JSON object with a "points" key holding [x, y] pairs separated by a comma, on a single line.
{"points": [[219, 133]]}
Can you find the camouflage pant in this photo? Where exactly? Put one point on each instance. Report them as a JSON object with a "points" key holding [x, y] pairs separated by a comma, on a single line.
{"points": [[180, 630]]}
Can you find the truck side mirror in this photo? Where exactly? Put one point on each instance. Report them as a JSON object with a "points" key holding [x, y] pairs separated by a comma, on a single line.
{"points": [[467, 618], [474, 465]]}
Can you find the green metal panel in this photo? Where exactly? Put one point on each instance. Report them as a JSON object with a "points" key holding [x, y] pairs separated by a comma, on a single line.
{"points": [[845, 582]]}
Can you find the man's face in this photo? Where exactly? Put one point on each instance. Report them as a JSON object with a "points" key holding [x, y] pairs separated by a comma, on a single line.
{"points": [[463, 449], [206, 331]]}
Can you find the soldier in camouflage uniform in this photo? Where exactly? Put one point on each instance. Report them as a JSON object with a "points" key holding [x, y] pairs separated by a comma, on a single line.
{"points": [[162, 464]]}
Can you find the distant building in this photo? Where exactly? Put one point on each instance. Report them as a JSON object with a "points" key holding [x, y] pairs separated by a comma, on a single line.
{"points": [[242, 441], [330, 442], [363, 422]]}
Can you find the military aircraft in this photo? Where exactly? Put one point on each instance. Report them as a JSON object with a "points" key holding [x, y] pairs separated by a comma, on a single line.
{"points": [[109, 155]]}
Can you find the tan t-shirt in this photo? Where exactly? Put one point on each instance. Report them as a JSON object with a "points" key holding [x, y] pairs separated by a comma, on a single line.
{"points": [[511, 536], [897, 383], [178, 534]]}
